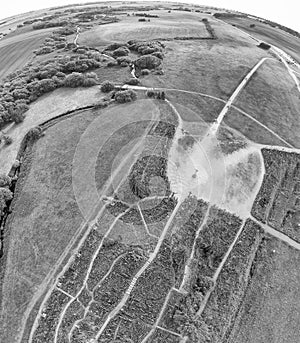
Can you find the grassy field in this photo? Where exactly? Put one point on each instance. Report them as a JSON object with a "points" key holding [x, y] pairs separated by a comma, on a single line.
{"points": [[269, 34], [251, 129], [46, 214], [270, 309], [130, 28], [214, 67], [272, 98]]}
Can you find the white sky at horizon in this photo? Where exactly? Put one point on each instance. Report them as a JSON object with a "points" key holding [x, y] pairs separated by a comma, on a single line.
{"points": [[285, 13]]}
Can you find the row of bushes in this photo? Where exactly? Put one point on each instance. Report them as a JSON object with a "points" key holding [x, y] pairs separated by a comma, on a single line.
{"points": [[25, 86], [5, 193]]}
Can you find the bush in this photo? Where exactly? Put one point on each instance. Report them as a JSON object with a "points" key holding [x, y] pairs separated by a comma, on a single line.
{"points": [[34, 133], [148, 62], [127, 95], [122, 51], [107, 86], [5, 196], [145, 71], [252, 25], [124, 61], [133, 82], [112, 63], [5, 180], [74, 80], [158, 54], [7, 139]]}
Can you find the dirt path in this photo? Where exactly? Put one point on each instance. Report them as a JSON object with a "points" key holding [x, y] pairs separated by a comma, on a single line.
{"points": [[214, 128], [281, 236], [211, 97], [117, 309]]}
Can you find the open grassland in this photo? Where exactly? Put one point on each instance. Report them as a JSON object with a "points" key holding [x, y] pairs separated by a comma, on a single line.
{"points": [[130, 28], [269, 34], [215, 67], [47, 107], [271, 306], [272, 97]]}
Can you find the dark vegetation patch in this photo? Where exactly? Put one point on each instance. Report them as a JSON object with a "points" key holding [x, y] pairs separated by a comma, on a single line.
{"points": [[278, 201], [45, 330]]}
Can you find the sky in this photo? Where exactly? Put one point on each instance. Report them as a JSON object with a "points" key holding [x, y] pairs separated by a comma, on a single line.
{"points": [[283, 12]]}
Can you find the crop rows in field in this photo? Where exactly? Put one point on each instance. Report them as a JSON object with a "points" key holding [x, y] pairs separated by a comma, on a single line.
{"points": [[278, 201], [102, 271], [16, 55]]}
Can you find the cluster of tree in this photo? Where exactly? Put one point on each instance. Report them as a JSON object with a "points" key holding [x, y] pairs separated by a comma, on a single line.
{"points": [[147, 15], [156, 94], [107, 86], [5, 194], [146, 47], [46, 24], [52, 43], [25, 86], [123, 96]]}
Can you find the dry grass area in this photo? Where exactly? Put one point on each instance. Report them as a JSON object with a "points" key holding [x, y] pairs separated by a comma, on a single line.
{"points": [[269, 34], [270, 309], [272, 97]]}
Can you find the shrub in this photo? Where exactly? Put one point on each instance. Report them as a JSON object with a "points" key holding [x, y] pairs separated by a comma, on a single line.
{"points": [[114, 46], [7, 139], [158, 54], [34, 133], [122, 51], [147, 62], [133, 82], [112, 63], [252, 25], [74, 80], [107, 86], [142, 19], [124, 61], [5, 180], [5, 196], [145, 71], [127, 95]]}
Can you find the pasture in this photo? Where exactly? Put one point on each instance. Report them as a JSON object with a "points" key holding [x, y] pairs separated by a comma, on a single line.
{"points": [[272, 97], [269, 34]]}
